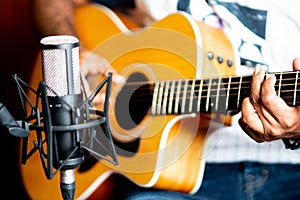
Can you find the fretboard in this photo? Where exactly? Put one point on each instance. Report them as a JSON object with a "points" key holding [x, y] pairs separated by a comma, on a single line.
{"points": [[215, 95]]}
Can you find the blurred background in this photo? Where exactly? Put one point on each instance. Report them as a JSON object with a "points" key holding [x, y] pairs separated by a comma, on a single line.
{"points": [[18, 51]]}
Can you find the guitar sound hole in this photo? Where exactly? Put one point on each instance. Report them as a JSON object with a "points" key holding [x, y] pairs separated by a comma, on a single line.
{"points": [[134, 101]]}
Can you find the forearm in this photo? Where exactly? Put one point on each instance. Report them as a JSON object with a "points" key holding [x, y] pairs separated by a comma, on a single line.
{"points": [[54, 17]]}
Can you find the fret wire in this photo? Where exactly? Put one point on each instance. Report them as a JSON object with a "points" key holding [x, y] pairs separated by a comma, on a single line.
{"points": [[160, 95], [218, 93], [208, 95], [177, 97], [184, 96], [192, 95], [165, 100], [239, 92], [295, 89], [227, 95], [155, 92], [171, 96], [279, 86], [199, 95]]}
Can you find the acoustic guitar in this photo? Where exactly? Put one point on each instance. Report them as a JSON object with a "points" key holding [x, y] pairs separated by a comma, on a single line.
{"points": [[173, 71]]}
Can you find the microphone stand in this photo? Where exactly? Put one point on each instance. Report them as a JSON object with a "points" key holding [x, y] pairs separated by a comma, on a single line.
{"points": [[41, 124], [67, 184]]}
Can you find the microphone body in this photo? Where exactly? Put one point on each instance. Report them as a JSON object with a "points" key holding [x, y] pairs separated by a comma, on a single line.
{"points": [[61, 73]]}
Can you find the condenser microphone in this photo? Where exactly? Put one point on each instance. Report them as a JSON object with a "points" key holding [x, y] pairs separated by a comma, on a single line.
{"points": [[61, 74]]}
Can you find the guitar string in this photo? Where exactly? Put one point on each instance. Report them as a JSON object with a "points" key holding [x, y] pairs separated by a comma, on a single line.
{"points": [[145, 91], [213, 89]]}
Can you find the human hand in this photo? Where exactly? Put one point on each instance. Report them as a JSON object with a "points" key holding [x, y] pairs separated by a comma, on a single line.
{"points": [[93, 69], [265, 116]]}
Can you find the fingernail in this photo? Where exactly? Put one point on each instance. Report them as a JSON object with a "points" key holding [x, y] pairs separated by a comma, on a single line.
{"points": [[119, 79], [269, 76], [257, 69]]}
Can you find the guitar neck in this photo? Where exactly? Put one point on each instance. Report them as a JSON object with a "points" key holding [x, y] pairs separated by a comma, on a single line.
{"points": [[215, 95]]}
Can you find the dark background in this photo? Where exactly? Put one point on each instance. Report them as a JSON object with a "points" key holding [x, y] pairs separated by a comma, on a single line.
{"points": [[18, 51]]}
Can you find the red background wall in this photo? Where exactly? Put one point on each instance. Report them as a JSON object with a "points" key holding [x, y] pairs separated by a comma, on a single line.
{"points": [[17, 54]]}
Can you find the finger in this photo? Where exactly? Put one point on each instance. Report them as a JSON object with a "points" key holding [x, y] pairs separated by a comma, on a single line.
{"points": [[250, 132], [272, 109], [269, 101], [94, 65], [276, 116], [275, 110], [116, 78], [256, 82], [250, 119], [99, 100], [89, 91], [296, 64]]}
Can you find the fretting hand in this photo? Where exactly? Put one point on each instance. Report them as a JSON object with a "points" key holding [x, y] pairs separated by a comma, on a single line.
{"points": [[266, 116]]}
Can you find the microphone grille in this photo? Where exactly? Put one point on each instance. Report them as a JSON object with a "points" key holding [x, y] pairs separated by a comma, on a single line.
{"points": [[60, 59]]}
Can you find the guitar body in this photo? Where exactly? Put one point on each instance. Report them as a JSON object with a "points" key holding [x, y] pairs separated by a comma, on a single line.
{"points": [[167, 151]]}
